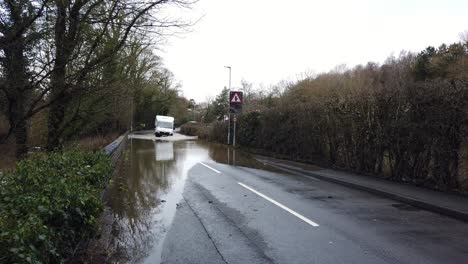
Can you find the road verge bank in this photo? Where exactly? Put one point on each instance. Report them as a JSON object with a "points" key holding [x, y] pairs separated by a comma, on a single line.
{"points": [[50, 204], [93, 249]]}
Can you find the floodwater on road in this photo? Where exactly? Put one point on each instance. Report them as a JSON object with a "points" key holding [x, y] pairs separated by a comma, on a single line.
{"points": [[150, 216], [144, 194]]}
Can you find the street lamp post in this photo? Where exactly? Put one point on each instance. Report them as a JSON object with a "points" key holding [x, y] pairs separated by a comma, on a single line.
{"points": [[229, 110]]}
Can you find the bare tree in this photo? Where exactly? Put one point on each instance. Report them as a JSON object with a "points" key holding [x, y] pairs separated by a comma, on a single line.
{"points": [[53, 52], [80, 28]]}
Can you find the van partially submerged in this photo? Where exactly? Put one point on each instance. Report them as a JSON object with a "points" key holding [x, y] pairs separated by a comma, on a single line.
{"points": [[164, 126]]}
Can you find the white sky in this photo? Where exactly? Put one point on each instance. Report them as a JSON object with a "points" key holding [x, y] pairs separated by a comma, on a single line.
{"points": [[266, 41]]}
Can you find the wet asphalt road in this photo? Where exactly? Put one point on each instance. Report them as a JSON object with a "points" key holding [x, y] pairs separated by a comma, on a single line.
{"points": [[195, 202]]}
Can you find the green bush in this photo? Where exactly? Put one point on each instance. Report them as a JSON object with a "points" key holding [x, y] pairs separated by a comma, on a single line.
{"points": [[50, 203]]}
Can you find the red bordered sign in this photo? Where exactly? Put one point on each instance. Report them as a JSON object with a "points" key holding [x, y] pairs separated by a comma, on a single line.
{"points": [[236, 97]]}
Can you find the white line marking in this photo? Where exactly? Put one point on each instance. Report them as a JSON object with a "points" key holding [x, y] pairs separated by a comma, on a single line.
{"points": [[217, 171], [303, 218]]}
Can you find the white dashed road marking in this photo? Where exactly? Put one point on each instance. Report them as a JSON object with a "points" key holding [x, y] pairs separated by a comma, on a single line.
{"points": [[303, 218]]}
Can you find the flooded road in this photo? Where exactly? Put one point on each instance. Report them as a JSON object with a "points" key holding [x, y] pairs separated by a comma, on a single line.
{"points": [[144, 195], [197, 202]]}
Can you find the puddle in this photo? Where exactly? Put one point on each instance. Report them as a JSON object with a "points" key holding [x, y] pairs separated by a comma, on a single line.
{"points": [[222, 154], [143, 196]]}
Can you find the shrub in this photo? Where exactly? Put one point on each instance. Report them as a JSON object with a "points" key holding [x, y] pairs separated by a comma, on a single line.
{"points": [[215, 131], [196, 129], [50, 203], [218, 132]]}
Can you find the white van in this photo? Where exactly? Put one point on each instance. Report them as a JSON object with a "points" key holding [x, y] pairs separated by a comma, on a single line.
{"points": [[164, 126]]}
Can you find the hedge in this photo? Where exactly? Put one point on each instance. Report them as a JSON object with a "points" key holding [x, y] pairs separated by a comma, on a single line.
{"points": [[421, 144], [49, 204]]}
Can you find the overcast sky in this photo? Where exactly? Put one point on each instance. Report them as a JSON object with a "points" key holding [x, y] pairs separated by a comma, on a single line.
{"points": [[266, 41]]}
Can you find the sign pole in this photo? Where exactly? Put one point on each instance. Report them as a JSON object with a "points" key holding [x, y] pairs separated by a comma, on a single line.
{"points": [[236, 99], [234, 136], [229, 127]]}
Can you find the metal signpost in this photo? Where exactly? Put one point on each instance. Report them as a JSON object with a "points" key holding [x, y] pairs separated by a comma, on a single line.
{"points": [[236, 99]]}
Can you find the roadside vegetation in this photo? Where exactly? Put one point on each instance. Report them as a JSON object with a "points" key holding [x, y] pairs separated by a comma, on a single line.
{"points": [[49, 204], [74, 75], [405, 120]]}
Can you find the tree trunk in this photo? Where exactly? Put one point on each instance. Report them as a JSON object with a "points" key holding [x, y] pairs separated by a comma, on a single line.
{"points": [[58, 82], [18, 92], [20, 129], [55, 119], [58, 109]]}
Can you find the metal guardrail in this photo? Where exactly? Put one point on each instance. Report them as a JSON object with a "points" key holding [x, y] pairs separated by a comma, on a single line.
{"points": [[115, 148]]}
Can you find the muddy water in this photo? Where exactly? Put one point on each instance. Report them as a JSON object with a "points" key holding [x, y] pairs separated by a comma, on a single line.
{"points": [[142, 198]]}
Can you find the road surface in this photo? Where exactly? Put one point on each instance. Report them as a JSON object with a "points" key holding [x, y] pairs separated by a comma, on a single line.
{"points": [[195, 202]]}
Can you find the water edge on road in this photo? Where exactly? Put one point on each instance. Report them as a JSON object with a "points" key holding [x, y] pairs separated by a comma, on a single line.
{"points": [[143, 196]]}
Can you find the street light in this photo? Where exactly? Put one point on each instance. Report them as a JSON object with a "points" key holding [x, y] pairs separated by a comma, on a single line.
{"points": [[229, 110], [229, 67]]}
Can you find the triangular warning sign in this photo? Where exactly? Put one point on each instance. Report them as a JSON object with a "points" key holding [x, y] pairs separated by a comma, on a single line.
{"points": [[236, 99]]}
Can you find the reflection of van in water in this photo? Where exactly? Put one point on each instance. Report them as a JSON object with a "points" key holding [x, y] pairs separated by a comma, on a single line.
{"points": [[163, 151], [164, 126]]}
